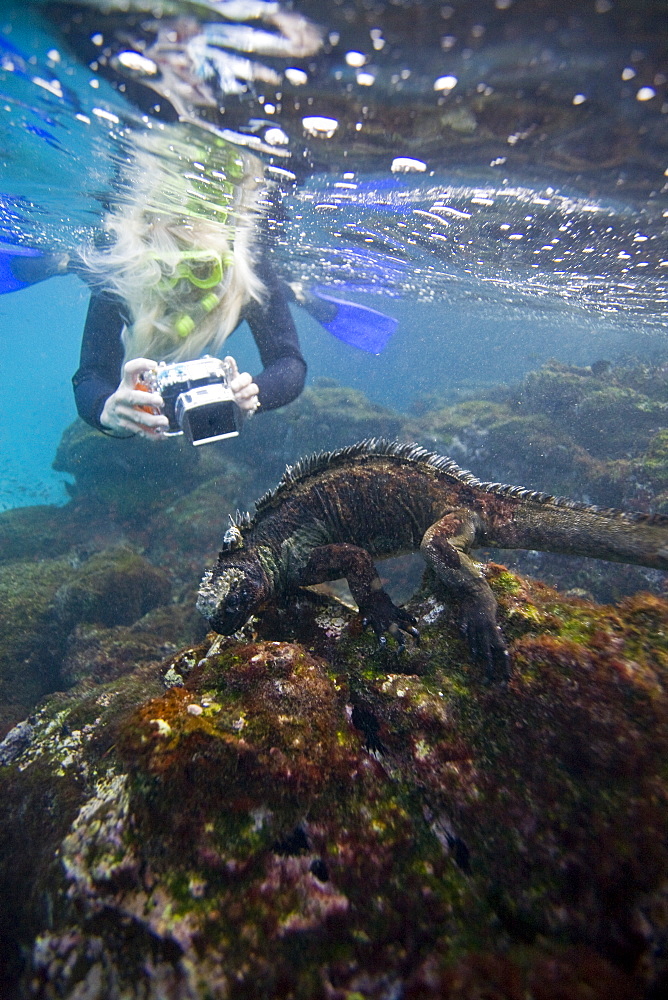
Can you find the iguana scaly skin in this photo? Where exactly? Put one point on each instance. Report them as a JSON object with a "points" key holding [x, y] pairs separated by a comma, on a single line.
{"points": [[332, 512]]}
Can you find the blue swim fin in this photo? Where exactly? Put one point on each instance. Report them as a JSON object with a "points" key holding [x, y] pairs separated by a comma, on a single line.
{"points": [[352, 323], [11, 270], [23, 266]]}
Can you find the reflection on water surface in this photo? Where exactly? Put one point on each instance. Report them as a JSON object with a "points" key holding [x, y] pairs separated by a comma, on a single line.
{"points": [[503, 152]]}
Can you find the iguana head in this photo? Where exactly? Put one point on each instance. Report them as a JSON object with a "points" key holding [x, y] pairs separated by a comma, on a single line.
{"points": [[231, 592]]}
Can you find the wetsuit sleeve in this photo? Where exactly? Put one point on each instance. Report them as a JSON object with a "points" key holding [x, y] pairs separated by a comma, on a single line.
{"points": [[101, 358], [275, 334]]}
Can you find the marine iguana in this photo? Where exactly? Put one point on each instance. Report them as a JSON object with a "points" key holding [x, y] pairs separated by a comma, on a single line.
{"points": [[333, 511]]}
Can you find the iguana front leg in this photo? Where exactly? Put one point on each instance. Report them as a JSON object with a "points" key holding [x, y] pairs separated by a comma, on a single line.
{"points": [[444, 546], [332, 562]]}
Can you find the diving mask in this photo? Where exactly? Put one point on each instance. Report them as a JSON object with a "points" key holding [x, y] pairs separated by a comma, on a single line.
{"points": [[200, 268], [205, 272]]}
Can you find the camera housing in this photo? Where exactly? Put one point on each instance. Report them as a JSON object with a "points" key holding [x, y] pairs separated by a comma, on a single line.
{"points": [[197, 400]]}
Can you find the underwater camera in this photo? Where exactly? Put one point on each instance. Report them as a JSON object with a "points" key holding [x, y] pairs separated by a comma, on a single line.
{"points": [[198, 402]]}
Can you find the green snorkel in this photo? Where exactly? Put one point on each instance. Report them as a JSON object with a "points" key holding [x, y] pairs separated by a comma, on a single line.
{"points": [[206, 277], [185, 323]]}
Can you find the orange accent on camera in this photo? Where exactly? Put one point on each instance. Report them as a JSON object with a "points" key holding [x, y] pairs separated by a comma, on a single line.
{"points": [[144, 388]]}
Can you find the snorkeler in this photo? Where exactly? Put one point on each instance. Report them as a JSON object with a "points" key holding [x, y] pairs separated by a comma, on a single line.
{"points": [[183, 269], [182, 265], [180, 273]]}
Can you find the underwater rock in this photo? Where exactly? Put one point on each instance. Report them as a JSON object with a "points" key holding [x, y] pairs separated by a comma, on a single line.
{"points": [[325, 415], [114, 587], [193, 524], [30, 532], [99, 655], [502, 443], [601, 412], [604, 582], [42, 602], [332, 410], [651, 471], [595, 434], [573, 430], [303, 814], [130, 477], [31, 638], [44, 789]]}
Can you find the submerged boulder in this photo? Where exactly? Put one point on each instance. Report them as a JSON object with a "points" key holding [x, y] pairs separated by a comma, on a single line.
{"points": [[41, 531], [327, 414], [294, 812], [42, 602], [99, 654], [31, 640], [130, 477], [114, 587], [594, 434]]}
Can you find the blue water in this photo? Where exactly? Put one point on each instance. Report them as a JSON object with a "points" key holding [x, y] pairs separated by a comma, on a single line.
{"points": [[435, 350], [41, 327], [493, 257]]}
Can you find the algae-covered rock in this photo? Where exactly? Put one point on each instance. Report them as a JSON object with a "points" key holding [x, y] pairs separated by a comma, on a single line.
{"points": [[320, 818], [651, 471], [326, 415], [601, 411], [39, 532], [568, 430], [99, 654], [41, 602], [31, 639], [507, 443], [593, 434], [45, 774], [130, 477], [332, 412], [194, 524], [114, 587]]}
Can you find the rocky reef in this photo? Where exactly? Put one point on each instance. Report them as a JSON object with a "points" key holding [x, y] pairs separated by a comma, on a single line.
{"points": [[294, 812], [44, 601], [596, 434]]}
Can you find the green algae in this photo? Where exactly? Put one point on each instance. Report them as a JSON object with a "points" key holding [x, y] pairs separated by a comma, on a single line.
{"points": [[114, 587], [31, 639]]}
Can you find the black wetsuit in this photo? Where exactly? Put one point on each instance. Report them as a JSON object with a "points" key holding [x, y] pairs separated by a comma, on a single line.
{"points": [[272, 326]]}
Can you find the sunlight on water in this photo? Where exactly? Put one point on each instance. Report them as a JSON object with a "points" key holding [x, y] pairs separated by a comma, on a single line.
{"points": [[515, 244]]}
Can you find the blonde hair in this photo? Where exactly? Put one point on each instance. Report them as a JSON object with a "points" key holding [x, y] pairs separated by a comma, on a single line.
{"points": [[188, 200]]}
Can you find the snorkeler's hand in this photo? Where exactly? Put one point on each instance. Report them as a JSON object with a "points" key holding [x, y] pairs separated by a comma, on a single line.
{"points": [[124, 409], [243, 388]]}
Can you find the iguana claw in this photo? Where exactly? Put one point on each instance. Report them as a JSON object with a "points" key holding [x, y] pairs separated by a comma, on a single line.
{"points": [[385, 618]]}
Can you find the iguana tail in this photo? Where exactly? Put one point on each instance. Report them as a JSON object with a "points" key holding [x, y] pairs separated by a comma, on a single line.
{"points": [[553, 525]]}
